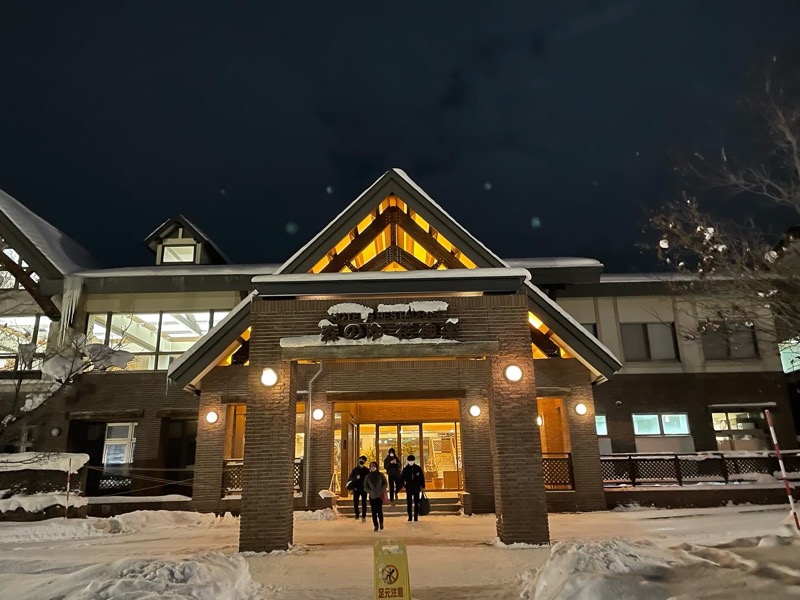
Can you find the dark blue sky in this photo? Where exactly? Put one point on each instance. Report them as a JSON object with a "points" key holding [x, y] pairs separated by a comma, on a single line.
{"points": [[116, 115]]}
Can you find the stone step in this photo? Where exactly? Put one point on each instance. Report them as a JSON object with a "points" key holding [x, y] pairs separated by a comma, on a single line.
{"points": [[439, 506]]}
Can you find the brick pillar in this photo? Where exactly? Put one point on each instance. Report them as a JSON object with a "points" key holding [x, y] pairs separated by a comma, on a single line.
{"points": [[589, 492], [320, 460], [476, 452], [209, 459], [520, 502], [268, 494]]}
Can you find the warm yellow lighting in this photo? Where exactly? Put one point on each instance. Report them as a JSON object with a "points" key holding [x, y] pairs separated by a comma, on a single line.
{"points": [[534, 320], [475, 410], [269, 377], [513, 373], [539, 421], [212, 417], [581, 409], [318, 414]]}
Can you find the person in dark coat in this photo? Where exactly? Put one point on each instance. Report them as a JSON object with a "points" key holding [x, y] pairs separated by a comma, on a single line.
{"points": [[393, 468], [356, 484], [414, 482], [375, 485]]}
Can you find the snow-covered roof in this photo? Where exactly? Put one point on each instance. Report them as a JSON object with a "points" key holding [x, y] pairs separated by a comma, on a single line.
{"points": [[356, 210], [564, 262], [487, 273], [47, 249], [251, 270]]}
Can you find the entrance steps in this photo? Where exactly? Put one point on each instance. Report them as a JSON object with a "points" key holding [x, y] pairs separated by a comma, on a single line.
{"points": [[439, 506]]}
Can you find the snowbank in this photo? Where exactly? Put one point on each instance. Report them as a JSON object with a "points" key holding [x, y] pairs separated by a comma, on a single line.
{"points": [[137, 499], [326, 514], [167, 519], [211, 576], [603, 569], [38, 502], [40, 461]]}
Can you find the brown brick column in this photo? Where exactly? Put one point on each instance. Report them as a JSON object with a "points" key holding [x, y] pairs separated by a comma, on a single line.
{"points": [[585, 450], [520, 502], [320, 460], [476, 452], [207, 489]]}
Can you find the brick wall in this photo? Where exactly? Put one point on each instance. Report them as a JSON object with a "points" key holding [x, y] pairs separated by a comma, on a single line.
{"points": [[690, 393]]}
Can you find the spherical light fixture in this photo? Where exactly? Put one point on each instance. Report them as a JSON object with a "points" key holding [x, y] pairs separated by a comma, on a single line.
{"points": [[581, 409], [318, 413], [475, 410], [513, 373], [212, 417], [269, 377], [539, 421], [55, 431]]}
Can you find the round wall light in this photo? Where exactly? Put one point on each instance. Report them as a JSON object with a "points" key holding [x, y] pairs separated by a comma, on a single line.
{"points": [[581, 409], [269, 377], [55, 431], [318, 414], [513, 373], [475, 410], [539, 421], [212, 417]]}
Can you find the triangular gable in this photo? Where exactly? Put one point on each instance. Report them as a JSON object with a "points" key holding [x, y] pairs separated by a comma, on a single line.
{"points": [[410, 229], [167, 227]]}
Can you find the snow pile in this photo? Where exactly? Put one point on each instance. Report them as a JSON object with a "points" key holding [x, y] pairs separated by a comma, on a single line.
{"points": [[138, 499], [212, 576], [167, 519], [326, 514], [39, 461], [39, 502], [301, 341], [415, 306], [602, 569]]}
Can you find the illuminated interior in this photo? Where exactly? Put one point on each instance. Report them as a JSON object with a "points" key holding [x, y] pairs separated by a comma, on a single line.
{"points": [[544, 343], [392, 238], [240, 355]]}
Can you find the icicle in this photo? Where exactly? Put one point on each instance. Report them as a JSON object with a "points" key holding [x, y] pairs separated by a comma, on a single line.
{"points": [[73, 285]]}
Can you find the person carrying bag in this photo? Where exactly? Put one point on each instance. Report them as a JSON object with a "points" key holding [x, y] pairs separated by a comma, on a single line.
{"points": [[414, 482]]}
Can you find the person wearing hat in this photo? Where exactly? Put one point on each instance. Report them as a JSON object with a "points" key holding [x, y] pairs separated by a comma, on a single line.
{"points": [[356, 485], [414, 482], [392, 466]]}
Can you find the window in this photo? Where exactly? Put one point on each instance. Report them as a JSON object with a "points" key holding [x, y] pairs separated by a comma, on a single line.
{"points": [[790, 355], [601, 425], [729, 341], [156, 339], [740, 430], [23, 342], [178, 254], [120, 444], [649, 341], [237, 414], [661, 424]]}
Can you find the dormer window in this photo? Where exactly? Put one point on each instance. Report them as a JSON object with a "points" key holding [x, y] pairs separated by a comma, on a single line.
{"points": [[177, 241], [178, 253]]}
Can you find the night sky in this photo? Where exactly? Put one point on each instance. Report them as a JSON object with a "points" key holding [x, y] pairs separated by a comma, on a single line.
{"points": [[545, 128]]}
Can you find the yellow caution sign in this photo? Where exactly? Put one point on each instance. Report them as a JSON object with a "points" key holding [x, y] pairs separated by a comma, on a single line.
{"points": [[391, 570]]}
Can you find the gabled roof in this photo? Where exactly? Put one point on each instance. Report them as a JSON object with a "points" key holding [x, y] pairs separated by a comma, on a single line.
{"points": [[192, 230], [189, 369], [394, 182], [49, 251]]}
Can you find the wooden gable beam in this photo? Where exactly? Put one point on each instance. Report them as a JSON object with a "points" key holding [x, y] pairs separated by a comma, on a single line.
{"points": [[44, 302], [361, 241], [427, 241]]}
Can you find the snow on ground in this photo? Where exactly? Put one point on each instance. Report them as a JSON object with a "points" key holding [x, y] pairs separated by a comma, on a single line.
{"points": [[731, 552]]}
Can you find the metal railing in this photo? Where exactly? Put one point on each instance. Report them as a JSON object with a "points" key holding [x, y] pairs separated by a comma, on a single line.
{"points": [[233, 476], [557, 471], [703, 467]]}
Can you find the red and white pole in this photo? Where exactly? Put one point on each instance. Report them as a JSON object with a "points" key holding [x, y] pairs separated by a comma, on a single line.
{"points": [[69, 472], [783, 469]]}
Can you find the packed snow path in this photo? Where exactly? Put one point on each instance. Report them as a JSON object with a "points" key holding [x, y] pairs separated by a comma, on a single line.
{"points": [[628, 554]]}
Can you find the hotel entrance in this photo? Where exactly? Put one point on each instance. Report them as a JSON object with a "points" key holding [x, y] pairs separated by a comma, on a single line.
{"points": [[437, 447]]}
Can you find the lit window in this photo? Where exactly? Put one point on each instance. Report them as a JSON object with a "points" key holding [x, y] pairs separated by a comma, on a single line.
{"points": [[178, 254], [155, 339], [17, 336], [601, 425], [120, 444], [661, 424], [745, 430], [790, 355], [649, 341]]}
